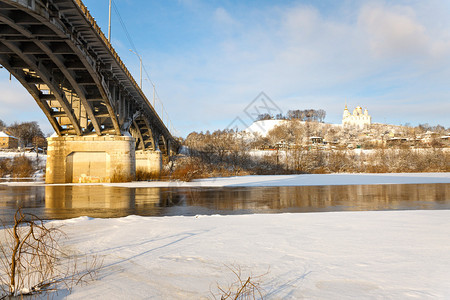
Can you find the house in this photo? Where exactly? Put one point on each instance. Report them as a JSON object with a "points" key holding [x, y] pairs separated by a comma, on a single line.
{"points": [[316, 140], [445, 140], [8, 141], [396, 141]]}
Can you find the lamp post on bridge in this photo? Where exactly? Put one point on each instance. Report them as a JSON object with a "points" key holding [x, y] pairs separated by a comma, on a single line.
{"points": [[140, 60]]}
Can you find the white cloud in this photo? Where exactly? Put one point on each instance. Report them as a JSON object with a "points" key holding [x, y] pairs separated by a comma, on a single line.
{"points": [[395, 31], [222, 17], [304, 58], [378, 54]]}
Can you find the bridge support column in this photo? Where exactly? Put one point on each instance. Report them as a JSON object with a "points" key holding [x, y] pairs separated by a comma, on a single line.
{"points": [[148, 163], [90, 159]]}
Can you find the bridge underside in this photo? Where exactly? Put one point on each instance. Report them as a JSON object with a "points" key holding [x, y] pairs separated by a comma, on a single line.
{"points": [[58, 53]]}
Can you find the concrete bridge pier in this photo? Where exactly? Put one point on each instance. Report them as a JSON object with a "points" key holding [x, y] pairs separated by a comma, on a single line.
{"points": [[87, 159], [149, 163]]}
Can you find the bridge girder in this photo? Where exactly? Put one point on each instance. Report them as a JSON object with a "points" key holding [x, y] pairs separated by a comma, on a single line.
{"points": [[58, 53]]}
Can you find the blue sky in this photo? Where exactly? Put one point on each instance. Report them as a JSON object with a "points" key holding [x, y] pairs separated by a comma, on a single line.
{"points": [[210, 59]]}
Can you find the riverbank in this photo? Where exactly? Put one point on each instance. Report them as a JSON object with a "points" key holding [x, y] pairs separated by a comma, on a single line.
{"points": [[280, 180], [301, 180], [345, 255]]}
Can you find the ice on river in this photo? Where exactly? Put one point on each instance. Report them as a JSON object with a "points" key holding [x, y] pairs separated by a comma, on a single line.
{"points": [[333, 255]]}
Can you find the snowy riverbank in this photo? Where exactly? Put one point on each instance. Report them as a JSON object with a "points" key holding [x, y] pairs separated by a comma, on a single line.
{"points": [[302, 180], [333, 255], [282, 180], [340, 255]]}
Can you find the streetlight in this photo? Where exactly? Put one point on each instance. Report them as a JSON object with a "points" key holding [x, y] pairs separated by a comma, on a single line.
{"points": [[140, 59]]}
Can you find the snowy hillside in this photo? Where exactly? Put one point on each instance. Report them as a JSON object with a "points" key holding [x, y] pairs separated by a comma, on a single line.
{"points": [[33, 156], [263, 127]]}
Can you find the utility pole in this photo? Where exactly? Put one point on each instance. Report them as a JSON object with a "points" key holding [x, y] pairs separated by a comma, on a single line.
{"points": [[140, 60], [109, 23]]}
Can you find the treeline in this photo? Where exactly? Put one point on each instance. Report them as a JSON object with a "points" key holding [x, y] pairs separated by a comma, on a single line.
{"points": [[28, 133], [218, 154], [307, 115], [229, 153], [318, 161], [425, 127]]}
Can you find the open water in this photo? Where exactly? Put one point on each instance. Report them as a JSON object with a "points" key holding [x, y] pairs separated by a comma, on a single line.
{"points": [[63, 202]]}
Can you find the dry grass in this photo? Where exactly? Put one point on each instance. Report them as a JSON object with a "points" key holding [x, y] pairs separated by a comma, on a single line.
{"points": [[314, 161], [190, 168], [142, 175], [120, 176], [18, 167]]}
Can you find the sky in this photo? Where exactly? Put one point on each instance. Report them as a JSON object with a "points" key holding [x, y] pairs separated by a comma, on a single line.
{"points": [[209, 60]]}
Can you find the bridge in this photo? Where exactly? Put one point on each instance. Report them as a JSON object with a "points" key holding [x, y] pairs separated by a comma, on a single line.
{"points": [[106, 128]]}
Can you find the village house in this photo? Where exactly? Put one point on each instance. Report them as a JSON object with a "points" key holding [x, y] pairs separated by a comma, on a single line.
{"points": [[8, 141]]}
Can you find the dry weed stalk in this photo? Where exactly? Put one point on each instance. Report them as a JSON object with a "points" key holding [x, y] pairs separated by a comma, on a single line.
{"points": [[244, 287], [33, 262]]}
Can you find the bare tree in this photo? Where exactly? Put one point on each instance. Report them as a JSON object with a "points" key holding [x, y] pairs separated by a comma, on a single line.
{"points": [[27, 132], [32, 260], [265, 116], [243, 287]]}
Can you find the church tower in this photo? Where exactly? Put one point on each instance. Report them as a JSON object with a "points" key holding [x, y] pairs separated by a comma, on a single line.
{"points": [[346, 113], [357, 119]]}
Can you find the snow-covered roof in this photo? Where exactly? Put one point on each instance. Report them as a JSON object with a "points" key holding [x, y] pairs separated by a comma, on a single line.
{"points": [[4, 134]]}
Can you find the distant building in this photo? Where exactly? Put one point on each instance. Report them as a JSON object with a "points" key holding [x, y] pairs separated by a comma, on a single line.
{"points": [[357, 119], [316, 139], [445, 140], [8, 141]]}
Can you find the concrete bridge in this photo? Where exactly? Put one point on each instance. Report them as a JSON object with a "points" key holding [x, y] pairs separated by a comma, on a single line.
{"points": [[106, 127]]}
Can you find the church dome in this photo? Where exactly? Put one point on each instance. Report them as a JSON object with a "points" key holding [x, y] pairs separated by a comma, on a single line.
{"points": [[358, 118]]}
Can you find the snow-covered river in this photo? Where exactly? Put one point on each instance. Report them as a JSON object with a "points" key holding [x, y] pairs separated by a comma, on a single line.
{"points": [[99, 201], [401, 252]]}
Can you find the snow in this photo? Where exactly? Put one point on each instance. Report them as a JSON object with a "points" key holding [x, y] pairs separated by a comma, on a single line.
{"points": [[338, 255], [332, 255], [4, 134], [301, 180], [42, 159], [282, 180], [30, 155], [263, 127]]}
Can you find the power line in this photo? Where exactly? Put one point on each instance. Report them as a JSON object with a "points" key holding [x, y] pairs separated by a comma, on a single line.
{"points": [[124, 27], [130, 40]]}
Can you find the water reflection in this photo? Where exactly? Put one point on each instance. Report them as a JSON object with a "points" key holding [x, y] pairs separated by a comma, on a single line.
{"points": [[60, 202], [323, 198]]}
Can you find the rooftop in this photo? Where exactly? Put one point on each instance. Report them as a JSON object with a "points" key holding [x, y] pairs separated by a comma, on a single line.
{"points": [[4, 134]]}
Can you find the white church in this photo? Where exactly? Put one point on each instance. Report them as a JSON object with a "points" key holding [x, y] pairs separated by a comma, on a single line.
{"points": [[358, 118]]}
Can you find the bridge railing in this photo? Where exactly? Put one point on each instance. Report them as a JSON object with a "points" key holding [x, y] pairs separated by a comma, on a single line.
{"points": [[97, 28]]}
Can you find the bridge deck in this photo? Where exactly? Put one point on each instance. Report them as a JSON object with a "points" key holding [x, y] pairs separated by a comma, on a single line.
{"points": [[59, 54]]}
